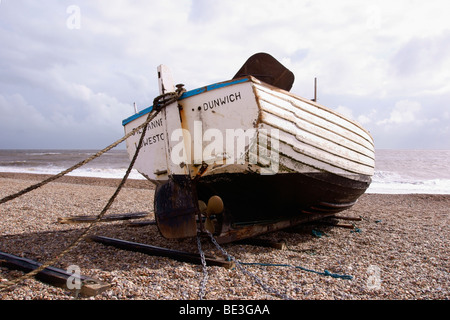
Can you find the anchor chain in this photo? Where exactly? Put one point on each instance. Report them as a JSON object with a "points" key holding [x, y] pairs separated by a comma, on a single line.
{"points": [[204, 268], [169, 98], [243, 270]]}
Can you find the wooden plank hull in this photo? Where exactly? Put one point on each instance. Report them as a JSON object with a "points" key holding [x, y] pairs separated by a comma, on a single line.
{"points": [[311, 137], [270, 155]]}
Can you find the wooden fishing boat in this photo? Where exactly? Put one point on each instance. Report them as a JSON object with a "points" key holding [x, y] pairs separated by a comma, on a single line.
{"points": [[246, 157]]}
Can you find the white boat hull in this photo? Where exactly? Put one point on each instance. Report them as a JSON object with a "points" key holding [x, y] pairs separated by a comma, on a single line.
{"points": [[269, 154], [311, 137]]}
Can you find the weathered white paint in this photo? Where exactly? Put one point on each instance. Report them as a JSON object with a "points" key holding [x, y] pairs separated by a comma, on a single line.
{"points": [[319, 137], [312, 137], [238, 114], [171, 122], [151, 161]]}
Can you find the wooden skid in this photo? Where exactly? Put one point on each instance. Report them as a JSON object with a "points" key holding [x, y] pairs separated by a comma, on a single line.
{"points": [[162, 252], [336, 223], [348, 218], [247, 232], [111, 217], [142, 223], [51, 275], [339, 225], [281, 245]]}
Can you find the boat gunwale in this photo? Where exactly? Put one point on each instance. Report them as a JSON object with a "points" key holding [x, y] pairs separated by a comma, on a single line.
{"points": [[254, 80], [192, 93]]}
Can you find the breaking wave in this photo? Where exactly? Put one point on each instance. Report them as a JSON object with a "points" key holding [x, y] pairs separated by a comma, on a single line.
{"points": [[387, 182]]}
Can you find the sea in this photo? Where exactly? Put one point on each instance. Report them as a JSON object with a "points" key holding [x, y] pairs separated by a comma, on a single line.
{"points": [[396, 171]]}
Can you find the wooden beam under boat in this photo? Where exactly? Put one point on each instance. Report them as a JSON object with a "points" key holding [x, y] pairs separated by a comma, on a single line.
{"points": [[107, 218], [162, 252], [238, 233]]}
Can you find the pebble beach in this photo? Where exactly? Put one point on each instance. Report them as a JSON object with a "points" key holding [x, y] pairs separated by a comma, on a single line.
{"points": [[399, 250]]}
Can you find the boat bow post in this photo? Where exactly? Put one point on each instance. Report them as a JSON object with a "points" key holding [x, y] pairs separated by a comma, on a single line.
{"points": [[176, 204]]}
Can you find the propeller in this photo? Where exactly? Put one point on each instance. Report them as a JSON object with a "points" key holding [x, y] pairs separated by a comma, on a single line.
{"points": [[214, 206]]}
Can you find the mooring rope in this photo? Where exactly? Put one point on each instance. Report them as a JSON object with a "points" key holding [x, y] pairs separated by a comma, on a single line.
{"points": [[169, 98], [325, 273]]}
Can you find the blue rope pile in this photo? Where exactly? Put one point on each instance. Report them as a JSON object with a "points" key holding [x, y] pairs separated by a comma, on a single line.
{"points": [[325, 273]]}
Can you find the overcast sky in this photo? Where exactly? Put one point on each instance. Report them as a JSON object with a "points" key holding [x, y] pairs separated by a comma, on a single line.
{"points": [[71, 70]]}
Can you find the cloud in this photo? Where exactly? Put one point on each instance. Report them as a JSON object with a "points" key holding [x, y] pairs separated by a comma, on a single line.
{"points": [[361, 118], [383, 64], [18, 113], [345, 111], [423, 58], [406, 112], [410, 125], [364, 119]]}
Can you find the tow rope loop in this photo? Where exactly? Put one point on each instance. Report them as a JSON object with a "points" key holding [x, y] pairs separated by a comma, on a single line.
{"points": [[150, 117], [167, 98]]}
